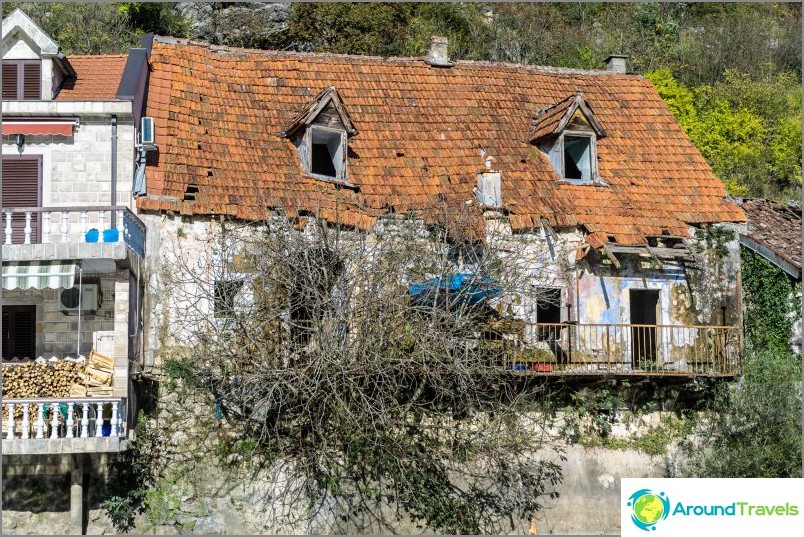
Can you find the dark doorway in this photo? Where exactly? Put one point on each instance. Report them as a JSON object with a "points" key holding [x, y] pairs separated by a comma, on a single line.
{"points": [[19, 332], [644, 305]]}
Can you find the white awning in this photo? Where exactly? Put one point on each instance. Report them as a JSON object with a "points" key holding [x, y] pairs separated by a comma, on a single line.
{"points": [[38, 275]]}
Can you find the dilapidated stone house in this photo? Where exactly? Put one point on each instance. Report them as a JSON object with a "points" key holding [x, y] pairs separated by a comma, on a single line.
{"points": [[632, 236]]}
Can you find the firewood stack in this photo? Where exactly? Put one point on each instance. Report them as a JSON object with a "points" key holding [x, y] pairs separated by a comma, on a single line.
{"points": [[42, 379], [60, 378], [99, 373]]}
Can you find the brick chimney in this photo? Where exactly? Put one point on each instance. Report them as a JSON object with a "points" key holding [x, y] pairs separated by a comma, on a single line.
{"points": [[437, 52], [616, 63]]}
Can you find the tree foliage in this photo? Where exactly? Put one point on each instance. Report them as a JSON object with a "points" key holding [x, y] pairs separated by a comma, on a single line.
{"points": [[749, 130], [754, 429]]}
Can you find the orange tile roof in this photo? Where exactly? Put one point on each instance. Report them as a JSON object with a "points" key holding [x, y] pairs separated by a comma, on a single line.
{"points": [[98, 78], [422, 135]]}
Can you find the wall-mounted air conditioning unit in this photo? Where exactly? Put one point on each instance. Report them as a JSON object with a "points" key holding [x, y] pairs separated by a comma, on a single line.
{"points": [[147, 134], [88, 296]]}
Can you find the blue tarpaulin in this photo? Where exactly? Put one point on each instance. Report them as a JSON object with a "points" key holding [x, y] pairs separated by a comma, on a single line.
{"points": [[454, 290]]}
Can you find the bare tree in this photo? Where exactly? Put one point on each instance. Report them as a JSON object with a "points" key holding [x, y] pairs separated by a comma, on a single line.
{"points": [[375, 365]]}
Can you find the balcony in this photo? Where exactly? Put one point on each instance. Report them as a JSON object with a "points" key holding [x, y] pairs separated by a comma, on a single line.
{"points": [[624, 349], [53, 233], [64, 425]]}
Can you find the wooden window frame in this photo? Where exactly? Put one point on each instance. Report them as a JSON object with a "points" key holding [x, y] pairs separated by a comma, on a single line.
{"points": [[342, 174], [21, 77], [11, 308]]}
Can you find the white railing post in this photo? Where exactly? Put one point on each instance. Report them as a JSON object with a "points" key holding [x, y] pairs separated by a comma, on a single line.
{"points": [[46, 227], [85, 421], [65, 225], [27, 227], [83, 218], [40, 421], [120, 216], [101, 224], [113, 424], [10, 422], [54, 421], [8, 227], [26, 421], [99, 421], [70, 422]]}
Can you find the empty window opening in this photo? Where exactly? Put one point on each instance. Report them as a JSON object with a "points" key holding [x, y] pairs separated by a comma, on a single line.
{"points": [[326, 152], [578, 158], [548, 306], [225, 293]]}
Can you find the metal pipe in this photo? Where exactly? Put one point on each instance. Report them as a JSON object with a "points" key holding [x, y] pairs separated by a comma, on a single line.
{"points": [[114, 170]]}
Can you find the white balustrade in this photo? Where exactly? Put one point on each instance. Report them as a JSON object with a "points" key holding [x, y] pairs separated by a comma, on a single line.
{"points": [[40, 422], [46, 227], [54, 422], [99, 421], [101, 224], [28, 227], [68, 426], [85, 421], [8, 227], [84, 218], [70, 422], [10, 422], [113, 424], [26, 421], [65, 226], [120, 216]]}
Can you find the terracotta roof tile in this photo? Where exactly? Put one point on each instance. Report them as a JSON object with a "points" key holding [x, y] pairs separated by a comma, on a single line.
{"points": [[98, 78], [422, 133], [776, 227]]}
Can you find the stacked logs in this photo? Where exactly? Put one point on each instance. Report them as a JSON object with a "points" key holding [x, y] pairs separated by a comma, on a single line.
{"points": [[42, 379], [59, 378]]}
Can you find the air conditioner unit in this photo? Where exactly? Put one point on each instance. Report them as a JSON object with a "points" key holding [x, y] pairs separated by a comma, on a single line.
{"points": [[88, 296], [147, 135]]}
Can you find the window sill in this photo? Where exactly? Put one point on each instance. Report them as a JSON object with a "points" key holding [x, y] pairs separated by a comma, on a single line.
{"points": [[581, 182], [333, 180]]}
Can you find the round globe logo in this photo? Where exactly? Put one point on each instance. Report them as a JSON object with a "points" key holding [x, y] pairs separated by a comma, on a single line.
{"points": [[648, 508]]}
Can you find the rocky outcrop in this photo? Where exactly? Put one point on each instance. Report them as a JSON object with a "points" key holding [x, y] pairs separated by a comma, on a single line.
{"points": [[250, 24]]}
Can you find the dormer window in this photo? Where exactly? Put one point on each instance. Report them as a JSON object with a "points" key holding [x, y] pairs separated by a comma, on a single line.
{"points": [[22, 80], [577, 149], [321, 132], [568, 133], [327, 155]]}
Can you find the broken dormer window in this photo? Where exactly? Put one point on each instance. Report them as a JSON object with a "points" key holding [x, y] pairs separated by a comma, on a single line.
{"points": [[321, 132], [568, 133], [327, 152], [578, 157]]}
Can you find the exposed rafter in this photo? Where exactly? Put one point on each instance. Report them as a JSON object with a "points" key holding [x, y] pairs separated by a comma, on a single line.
{"points": [[315, 106]]}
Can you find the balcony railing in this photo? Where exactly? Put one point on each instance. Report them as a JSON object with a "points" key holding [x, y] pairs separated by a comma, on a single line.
{"points": [[47, 225], [95, 417], [571, 348]]}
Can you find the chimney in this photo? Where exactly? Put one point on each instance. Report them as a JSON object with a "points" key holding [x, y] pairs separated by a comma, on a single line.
{"points": [[616, 63], [488, 189], [437, 52]]}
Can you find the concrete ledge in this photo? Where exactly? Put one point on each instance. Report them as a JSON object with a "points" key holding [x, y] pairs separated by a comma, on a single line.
{"points": [[46, 446], [65, 251]]}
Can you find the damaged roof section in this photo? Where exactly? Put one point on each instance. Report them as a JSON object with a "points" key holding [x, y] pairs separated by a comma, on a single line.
{"points": [[774, 232], [424, 134], [552, 120]]}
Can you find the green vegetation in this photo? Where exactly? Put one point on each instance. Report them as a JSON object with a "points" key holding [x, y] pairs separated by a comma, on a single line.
{"points": [[772, 303], [754, 428]]}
